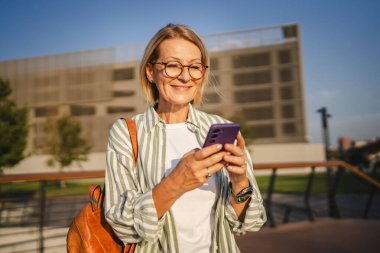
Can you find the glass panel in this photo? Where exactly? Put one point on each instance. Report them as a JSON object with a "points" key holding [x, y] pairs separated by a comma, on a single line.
{"points": [[117, 109], [284, 56], [251, 60], [263, 131], [123, 74], [259, 77], [258, 113], [261, 95], [287, 111]]}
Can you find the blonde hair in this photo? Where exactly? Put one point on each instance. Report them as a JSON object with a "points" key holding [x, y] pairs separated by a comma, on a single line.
{"points": [[170, 31]]}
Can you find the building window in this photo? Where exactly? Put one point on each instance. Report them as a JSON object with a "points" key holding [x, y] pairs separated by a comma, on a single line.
{"points": [[258, 113], [212, 98], [289, 129], [120, 109], [259, 77], [45, 111], [123, 74], [284, 56], [286, 75], [287, 111], [46, 81], [82, 110], [123, 93], [263, 131], [251, 60], [286, 93], [246, 96], [214, 64], [80, 77]]}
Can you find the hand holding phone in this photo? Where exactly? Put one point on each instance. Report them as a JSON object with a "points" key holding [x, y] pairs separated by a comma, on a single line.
{"points": [[222, 133]]}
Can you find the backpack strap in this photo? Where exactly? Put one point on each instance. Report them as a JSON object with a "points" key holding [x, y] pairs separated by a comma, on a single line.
{"points": [[132, 132], [95, 191]]}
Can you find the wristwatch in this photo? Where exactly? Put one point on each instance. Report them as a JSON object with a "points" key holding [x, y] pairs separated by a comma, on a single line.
{"points": [[243, 195]]}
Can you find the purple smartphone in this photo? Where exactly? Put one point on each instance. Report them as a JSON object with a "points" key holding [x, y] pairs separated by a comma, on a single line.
{"points": [[222, 134]]}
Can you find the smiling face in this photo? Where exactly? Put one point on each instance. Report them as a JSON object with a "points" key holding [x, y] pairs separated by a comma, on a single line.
{"points": [[179, 91]]}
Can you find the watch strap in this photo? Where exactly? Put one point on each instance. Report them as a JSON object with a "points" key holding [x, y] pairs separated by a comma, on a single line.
{"points": [[243, 195]]}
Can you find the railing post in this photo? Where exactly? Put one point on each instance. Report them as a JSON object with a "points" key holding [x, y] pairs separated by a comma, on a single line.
{"points": [[268, 200], [332, 186], [308, 193], [369, 202], [42, 214]]}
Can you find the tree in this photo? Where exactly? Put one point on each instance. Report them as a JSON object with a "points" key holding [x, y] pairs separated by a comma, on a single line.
{"points": [[65, 143], [13, 129]]}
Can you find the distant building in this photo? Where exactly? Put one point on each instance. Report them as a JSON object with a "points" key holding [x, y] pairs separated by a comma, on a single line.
{"points": [[256, 74]]}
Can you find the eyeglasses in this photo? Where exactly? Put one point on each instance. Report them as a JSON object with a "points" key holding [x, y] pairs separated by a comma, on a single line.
{"points": [[174, 69]]}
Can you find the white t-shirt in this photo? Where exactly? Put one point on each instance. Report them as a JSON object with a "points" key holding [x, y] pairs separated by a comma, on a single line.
{"points": [[194, 211]]}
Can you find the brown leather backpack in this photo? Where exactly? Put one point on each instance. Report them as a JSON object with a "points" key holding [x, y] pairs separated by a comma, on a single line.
{"points": [[90, 232]]}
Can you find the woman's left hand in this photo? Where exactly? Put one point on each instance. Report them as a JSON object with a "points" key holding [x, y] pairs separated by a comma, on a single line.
{"points": [[236, 164]]}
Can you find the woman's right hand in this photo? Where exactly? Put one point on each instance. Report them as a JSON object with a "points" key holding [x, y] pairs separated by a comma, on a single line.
{"points": [[190, 173], [193, 169]]}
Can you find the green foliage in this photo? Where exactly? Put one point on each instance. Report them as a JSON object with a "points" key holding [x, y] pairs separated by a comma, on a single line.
{"points": [[13, 129], [65, 143]]}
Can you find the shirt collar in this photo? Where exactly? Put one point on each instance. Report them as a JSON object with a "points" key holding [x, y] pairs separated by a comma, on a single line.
{"points": [[151, 119]]}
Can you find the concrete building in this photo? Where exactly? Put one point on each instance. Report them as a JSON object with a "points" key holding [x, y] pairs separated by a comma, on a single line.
{"points": [[255, 74]]}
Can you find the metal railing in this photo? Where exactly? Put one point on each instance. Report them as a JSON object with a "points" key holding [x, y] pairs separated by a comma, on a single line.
{"points": [[39, 210], [332, 181]]}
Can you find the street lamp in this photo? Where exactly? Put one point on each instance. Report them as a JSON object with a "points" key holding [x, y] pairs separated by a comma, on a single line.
{"points": [[325, 130], [332, 181]]}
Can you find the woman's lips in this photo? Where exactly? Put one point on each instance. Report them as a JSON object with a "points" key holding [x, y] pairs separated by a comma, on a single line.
{"points": [[178, 87]]}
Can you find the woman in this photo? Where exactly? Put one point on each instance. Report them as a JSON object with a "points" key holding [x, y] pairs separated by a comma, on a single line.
{"points": [[179, 198]]}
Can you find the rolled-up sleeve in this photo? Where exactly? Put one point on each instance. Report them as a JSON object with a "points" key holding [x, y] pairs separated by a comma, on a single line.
{"points": [[130, 212], [255, 215]]}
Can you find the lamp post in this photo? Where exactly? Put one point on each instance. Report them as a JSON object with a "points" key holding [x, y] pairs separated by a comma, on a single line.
{"points": [[332, 180], [325, 130]]}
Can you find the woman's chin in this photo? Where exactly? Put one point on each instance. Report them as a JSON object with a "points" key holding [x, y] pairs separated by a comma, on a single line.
{"points": [[179, 100]]}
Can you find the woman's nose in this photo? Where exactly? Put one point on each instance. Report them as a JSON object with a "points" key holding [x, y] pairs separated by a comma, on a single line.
{"points": [[185, 75]]}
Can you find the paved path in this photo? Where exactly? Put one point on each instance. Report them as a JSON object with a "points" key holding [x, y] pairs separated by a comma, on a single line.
{"points": [[323, 235]]}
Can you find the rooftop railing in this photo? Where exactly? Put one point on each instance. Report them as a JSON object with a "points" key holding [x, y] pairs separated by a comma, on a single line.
{"points": [[128, 53]]}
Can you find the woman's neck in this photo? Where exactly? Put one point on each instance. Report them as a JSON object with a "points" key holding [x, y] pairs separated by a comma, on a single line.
{"points": [[172, 114]]}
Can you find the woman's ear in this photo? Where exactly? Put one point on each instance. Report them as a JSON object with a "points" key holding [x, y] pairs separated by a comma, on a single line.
{"points": [[149, 72]]}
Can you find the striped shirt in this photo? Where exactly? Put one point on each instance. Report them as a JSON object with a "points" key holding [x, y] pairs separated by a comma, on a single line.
{"points": [[129, 206]]}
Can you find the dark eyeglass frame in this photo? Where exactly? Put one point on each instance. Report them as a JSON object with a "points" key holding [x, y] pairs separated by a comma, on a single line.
{"points": [[182, 68]]}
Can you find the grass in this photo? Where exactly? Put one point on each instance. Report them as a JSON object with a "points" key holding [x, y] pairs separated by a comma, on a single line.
{"points": [[53, 189], [296, 184]]}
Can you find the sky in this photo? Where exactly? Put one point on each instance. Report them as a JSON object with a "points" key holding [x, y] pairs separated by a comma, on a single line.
{"points": [[340, 43]]}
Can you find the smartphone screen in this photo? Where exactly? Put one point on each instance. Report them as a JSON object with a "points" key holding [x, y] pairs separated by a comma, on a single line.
{"points": [[222, 133]]}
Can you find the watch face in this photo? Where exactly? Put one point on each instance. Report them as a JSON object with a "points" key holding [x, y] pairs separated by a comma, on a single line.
{"points": [[243, 198], [246, 191]]}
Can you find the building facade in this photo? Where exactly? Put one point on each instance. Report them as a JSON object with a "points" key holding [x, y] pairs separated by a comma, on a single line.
{"points": [[255, 75]]}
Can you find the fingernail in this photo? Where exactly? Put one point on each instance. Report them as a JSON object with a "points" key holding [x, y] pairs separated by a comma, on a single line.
{"points": [[219, 146]]}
